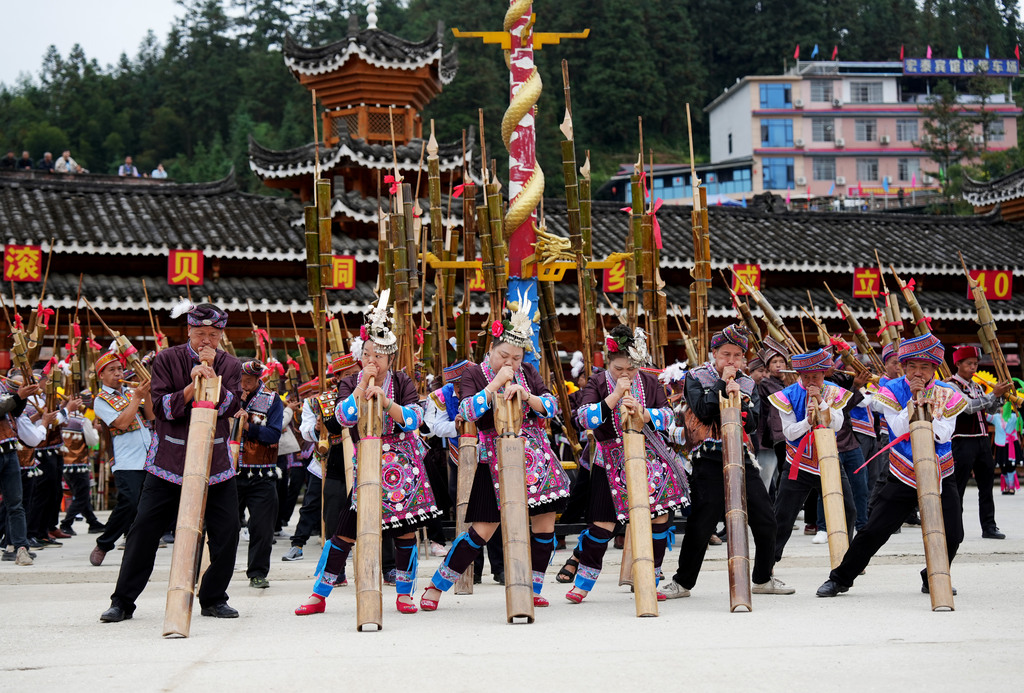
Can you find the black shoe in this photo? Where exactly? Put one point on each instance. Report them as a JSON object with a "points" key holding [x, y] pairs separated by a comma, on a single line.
{"points": [[97, 528], [167, 538], [114, 614], [390, 577], [831, 588], [34, 543], [913, 520], [925, 590], [499, 578], [476, 578], [44, 543], [69, 531], [11, 555], [992, 533], [221, 610]]}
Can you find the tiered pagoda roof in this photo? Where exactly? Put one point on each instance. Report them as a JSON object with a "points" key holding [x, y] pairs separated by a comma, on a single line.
{"points": [[1006, 192]]}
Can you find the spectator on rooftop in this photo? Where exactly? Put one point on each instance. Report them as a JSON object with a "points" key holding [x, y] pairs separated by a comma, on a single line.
{"points": [[8, 163], [127, 169], [65, 164], [25, 162], [158, 172], [46, 163]]}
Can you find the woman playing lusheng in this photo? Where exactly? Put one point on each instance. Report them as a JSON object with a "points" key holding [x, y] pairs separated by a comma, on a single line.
{"points": [[407, 499], [502, 375], [624, 386]]}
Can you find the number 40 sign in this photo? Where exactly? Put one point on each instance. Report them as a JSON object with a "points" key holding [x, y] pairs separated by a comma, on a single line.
{"points": [[997, 284]]}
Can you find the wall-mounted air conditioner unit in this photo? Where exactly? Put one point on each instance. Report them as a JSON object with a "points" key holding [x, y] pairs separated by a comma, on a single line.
{"points": [[799, 142], [837, 103], [801, 180], [840, 142], [798, 103], [885, 139], [840, 180]]}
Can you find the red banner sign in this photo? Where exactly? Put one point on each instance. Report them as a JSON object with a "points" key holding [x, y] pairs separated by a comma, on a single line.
{"points": [[867, 282], [23, 263], [997, 284], [343, 272], [185, 268], [614, 280], [750, 274]]}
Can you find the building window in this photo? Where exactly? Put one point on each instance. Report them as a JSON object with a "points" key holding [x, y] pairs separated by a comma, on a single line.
{"points": [[996, 131], [866, 92], [908, 169], [867, 169], [821, 91], [777, 173], [730, 143], [777, 133], [865, 130], [823, 129], [776, 96], [906, 130], [825, 169]]}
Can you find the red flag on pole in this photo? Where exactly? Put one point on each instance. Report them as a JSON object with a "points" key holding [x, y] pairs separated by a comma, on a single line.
{"points": [[860, 189], [796, 53], [901, 51], [835, 52], [928, 53], [1016, 51]]}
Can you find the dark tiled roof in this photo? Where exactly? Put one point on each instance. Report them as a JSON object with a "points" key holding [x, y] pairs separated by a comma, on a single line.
{"points": [[817, 241], [375, 47], [1009, 187], [287, 163], [353, 205], [105, 215]]}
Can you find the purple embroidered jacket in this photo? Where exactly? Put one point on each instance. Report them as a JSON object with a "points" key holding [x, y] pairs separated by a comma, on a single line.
{"points": [[171, 375]]}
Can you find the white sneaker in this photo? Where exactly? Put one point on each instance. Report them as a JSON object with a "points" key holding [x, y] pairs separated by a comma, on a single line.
{"points": [[22, 557], [820, 538], [245, 534], [673, 590], [773, 586], [437, 550]]}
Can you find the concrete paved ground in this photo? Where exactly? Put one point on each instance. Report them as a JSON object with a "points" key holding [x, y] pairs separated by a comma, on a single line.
{"points": [[882, 635]]}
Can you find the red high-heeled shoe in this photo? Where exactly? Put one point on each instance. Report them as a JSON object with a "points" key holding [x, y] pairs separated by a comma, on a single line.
{"points": [[427, 604], [662, 597], [575, 597], [307, 609], [540, 601], [406, 607]]}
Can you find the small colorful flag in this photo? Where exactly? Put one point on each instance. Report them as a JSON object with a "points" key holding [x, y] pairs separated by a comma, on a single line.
{"points": [[1016, 51], [885, 184], [959, 53], [835, 53], [928, 53], [901, 51], [986, 51], [787, 194], [913, 181], [814, 53], [832, 189], [860, 189], [796, 53]]}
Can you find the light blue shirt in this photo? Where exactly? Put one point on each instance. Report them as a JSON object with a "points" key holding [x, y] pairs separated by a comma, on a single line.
{"points": [[130, 448]]}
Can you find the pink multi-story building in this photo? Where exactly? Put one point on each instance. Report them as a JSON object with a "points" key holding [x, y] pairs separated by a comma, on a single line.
{"points": [[848, 128]]}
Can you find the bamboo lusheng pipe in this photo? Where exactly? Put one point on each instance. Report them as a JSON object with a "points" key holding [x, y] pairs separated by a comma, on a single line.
{"points": [[438, 247], [988, 337], [921, 324], [305, 363], [831, 478], [467, 471], [515, 516], [645, 594], [462, 323], [626, 567], [159, 339], [498, 244], [735, 502], [743, 311], [773, 318], [369, 609], [191, 508], [859, 336], [634, 247], [929, 502], [124, 346], [845, 353], [549, 347]]}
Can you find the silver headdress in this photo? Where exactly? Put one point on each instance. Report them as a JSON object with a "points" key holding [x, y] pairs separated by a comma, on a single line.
{"points": [[378, 326], [518, 329], [637, 349]]}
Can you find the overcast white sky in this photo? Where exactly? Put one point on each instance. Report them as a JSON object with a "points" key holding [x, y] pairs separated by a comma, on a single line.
{"points": [[104, 28]]}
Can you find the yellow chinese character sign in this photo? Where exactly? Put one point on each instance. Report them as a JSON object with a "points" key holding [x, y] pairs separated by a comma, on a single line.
{"points": [[478, 283], [185, 267], [867, 282], [751, 276], [343, 272], [614, 280], [23, 263]]}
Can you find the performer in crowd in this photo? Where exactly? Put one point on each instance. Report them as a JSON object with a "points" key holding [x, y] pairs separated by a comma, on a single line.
{"points": [[261, 416], [174, 372], [798, 407], [124, 413], [49, 491], [326, 491], [80, 439], [622, 385], [919, 358], [772, 454], [1007, 440], [290, 462], [704, 386], [972, 451], [442, 418], [503, 374], [407, 500], [13, 402], [31, 427]]}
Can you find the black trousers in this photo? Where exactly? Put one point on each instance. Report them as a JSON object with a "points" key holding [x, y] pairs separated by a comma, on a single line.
{"points": [[158, 505], [46, 495], [129, 489], [81, 503], [974, 454], [895, 501], [707, 497], [793, 494], [495, 556], [291, 481], [310, 513], [258, 495]]}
